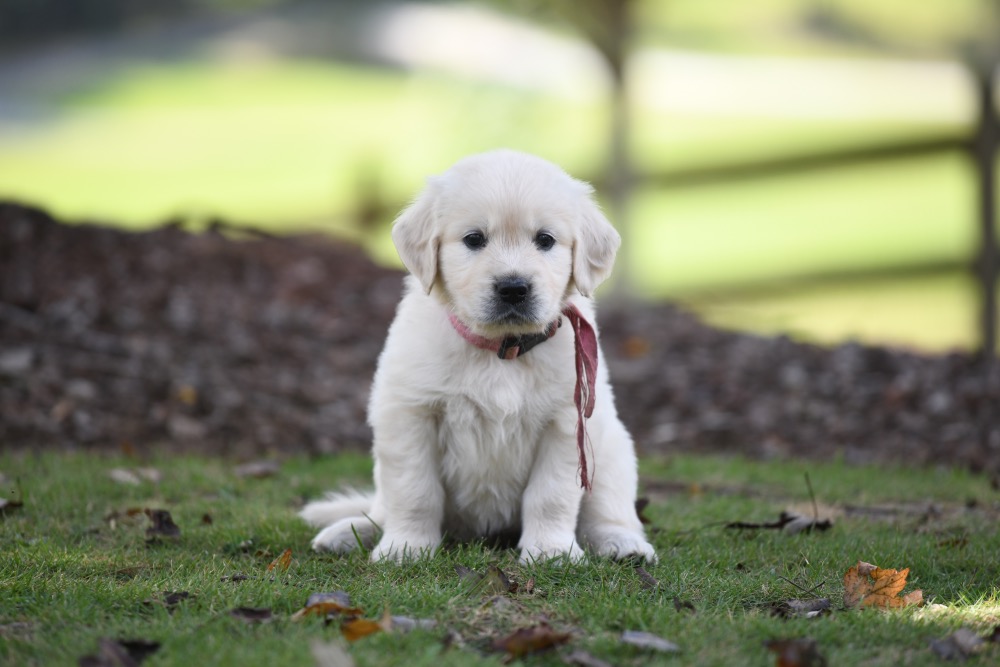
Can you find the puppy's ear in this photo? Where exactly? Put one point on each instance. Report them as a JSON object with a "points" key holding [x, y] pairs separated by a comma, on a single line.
{"points": [[595, 245], [416, 237]]}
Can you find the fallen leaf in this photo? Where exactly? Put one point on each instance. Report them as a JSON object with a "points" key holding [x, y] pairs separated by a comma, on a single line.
{"points": [[529, 586], [795, 652], [955, 542], [789, 522], [535, 638], [187, 394], [494, 582], [871, 586], [582, 658], [235, 578], [119, 653], [649, 640], [252, 614], [150, 474], [161, 525], [648, 581], [407, 624], [19, 629], [498, 582], [684, 605], [330, 654], [325, 604], [173, 598], [356, 628], [123, 476], [206, 519], [959, 645], [635, 346], [170, 599], [640, 506], [257, 469], [801, 608], [284, 561], [9, 505]]}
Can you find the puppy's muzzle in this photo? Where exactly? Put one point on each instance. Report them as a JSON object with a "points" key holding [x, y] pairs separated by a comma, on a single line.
{"points": [[513, 290], [513, 301]]}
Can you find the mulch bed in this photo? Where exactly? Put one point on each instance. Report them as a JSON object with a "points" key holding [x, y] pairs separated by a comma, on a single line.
{"points": [[235, 342]]}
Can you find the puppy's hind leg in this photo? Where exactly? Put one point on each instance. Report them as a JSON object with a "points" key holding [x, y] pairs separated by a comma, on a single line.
{"points": [[346, 535], [346, 519]]}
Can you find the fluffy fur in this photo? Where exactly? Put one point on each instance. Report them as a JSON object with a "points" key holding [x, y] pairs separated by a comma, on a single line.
{"points": [[470, 445]]}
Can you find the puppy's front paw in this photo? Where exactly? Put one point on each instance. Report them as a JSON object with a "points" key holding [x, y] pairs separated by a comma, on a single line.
{"points": [[400, 548], [622, 545], [544, 550]]}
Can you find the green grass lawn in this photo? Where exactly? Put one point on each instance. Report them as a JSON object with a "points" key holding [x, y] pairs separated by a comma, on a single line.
{"points": [[75, 568]]}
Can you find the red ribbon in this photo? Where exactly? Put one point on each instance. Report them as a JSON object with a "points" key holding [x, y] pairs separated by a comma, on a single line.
{"points": [[586, 378]]}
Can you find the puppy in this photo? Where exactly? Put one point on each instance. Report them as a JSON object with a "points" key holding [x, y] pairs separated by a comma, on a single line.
{"points": [[481, 400]]}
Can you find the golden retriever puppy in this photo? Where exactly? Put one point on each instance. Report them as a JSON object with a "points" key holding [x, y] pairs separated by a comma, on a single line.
{"points": [[491, 409]]}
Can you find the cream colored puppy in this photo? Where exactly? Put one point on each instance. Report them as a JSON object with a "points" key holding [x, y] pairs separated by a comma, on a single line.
{"points": [[481, 389]]}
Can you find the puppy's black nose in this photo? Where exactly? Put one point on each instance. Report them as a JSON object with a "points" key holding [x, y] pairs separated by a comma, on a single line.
{"points": [[513, 290]]}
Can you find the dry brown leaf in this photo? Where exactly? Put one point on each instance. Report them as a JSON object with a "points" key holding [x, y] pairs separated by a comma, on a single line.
{"points": [[284, 561], [684, 606], [356, 628], [124, 476], [648, 640], [252, 614], [406, 624], [324, 604], [120, 653], [868, 585], [635, 347], [161, 525], [959, 645], [258, 469], [494, 582], [532, 639], [187, 394], [169, 600], [801, 608], [640, 506], [646, 580], [9, 505], [795, 653], [788, 522]]}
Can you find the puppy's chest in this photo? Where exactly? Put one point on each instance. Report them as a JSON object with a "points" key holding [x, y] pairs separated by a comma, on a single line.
{"points": [[488, 443]]}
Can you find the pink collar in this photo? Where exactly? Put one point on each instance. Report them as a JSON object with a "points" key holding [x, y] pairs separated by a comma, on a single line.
{"points": [[509, 347], [585, 343]]}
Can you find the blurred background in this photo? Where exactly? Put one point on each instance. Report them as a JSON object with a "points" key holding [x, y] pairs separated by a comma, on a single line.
{"points": [[821, 168]]}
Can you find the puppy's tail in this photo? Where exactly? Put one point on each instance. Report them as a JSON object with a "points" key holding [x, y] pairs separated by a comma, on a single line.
{"points": [[337, 506]]}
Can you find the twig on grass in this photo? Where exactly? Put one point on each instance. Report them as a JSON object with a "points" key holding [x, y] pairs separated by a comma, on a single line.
{"points": [[809, 591]]}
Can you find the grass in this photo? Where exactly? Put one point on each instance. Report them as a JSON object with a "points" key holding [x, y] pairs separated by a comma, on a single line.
{"points": [[69, 576]]}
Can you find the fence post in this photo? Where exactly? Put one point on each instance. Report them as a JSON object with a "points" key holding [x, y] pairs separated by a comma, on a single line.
{"points": [[985, 153]]}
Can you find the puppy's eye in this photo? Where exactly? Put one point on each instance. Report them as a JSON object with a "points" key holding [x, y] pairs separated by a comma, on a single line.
{"points": [[474, 240], [544, 241]]}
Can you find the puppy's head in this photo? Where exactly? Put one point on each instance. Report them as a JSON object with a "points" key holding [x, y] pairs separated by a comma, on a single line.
{"points": [[503, 238]]}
